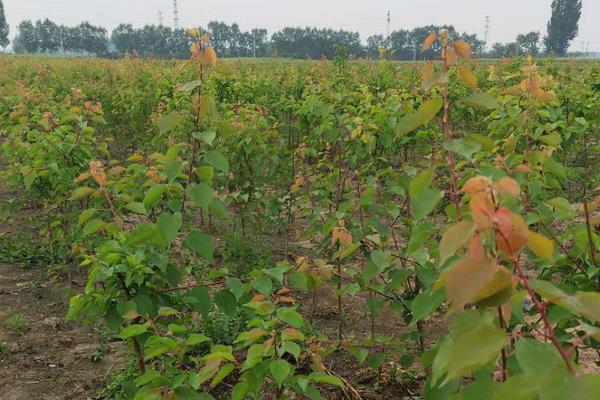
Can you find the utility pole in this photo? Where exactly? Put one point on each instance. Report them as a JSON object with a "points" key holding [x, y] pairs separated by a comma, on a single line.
{"points": [[486, 30], [160, 18], [175, 15]]}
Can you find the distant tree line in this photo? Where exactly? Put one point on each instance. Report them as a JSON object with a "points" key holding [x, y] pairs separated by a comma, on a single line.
{"points": [[230, 41]]}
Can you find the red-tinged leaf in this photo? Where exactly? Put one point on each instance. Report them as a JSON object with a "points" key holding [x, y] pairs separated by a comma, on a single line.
{"points": [[476, 248], [477, 184], [482, 210], [511, 232], [508, 186]]}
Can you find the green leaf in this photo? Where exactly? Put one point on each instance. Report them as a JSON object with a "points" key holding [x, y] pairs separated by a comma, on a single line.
{"points": [[141, 233], [426, 112], [133, 330], [172, 170], [217, 160], [536, 357], [425, 202], [483, 100], [92, 227], [292, 348], [207, 137], [320, 377], [199, 299], [263, 285], [360, 353], [200, 243], [169, 122], [226, 302], [280, 369], [201, 194], [168, 225], [190, 86], [462, 147], [196, 339], [136, 207], [463, 360], [346, 250], [222, 374], [290, 316], [81, 192], [426, 303], [86, 215], [206, 173], [518, 387], [154, 195]]}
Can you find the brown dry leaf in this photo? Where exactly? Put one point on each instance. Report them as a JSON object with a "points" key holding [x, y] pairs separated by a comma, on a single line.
{"points": [[342, 236], [283, 291], [462, 48], [82, 177], [429, 41], [258, 298]]}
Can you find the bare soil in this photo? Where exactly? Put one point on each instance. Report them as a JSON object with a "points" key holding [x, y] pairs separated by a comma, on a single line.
{"points": [[50, 360]]}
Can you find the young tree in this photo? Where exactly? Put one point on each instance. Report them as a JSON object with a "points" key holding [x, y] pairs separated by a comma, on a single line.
{"points": [[563, 25], [3, 27]]}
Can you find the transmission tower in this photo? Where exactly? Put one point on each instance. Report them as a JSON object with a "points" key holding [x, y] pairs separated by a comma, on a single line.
{"points": [[160, 18], [175, 15], [389, 20], [486, 29]]}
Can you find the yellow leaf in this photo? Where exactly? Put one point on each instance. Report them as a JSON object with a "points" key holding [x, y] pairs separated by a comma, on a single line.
{"points": [[455, 238], [468, 77], [540, 244], [462, 48], [450, 55], [475, 279], [209, 57], [427, 71], [429, 41]]}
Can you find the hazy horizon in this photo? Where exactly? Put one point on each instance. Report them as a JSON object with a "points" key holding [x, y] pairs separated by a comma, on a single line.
{"points": [[508, 18]]}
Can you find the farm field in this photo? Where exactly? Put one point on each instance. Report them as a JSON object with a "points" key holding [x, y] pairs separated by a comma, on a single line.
{"points": [[272, 229]]}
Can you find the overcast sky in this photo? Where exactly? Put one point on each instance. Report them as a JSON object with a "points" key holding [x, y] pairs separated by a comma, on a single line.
{"points": [[508, 17]]}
